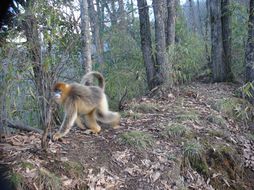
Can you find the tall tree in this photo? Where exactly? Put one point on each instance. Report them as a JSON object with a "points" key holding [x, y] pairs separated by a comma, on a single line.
{"points": [[208, 57], [226, 37], [249, 53], [146, 43], [200, 24], [85, 37], [170, 22], [221, 40], [122, 15], [30, 26], [193, 17], [163, 68], [111, 9], [95, 25]]}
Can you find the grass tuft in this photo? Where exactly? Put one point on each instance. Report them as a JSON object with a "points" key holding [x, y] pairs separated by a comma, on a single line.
{"points": [[187, 116], [74, 169], [175, 130], [137, 139], [49, 180], [194, 155], [145, 107], [17, 180]]}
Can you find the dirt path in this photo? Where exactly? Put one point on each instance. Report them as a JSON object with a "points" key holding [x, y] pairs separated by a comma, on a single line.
{"points": [[192, 138]]}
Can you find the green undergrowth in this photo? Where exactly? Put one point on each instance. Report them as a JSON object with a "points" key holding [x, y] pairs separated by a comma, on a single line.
{"points": [[145, 107], [211, 158], [175, 131], [131, 114], [234, 107], [74, 169], [190, 115], [250, 136], [48, 180], [137, 139], [216, 133], [217, 119], [27, 165], [17, 180], [194, 156]]}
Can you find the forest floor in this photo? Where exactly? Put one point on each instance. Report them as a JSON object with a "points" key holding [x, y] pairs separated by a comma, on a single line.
{"points": [[192, 137]]}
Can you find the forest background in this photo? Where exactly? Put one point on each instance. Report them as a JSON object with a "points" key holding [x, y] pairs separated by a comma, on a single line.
{"points": [[46, 41]]}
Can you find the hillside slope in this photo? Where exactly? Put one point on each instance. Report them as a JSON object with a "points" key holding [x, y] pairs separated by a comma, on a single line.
{"points": [[194, 137]]}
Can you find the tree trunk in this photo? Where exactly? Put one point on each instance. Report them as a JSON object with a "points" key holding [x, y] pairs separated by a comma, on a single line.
{"points": [[41, 79], [226, 37], [208, 56], [163, 68], [221, 41], [94, 20], [132, 13], [146, 43], [3, 95], [111, 12], [170, 22], [218, 67], [85, 37], [193, 17], [100, 6], [122, 16], [249, 53], [200, 19]]}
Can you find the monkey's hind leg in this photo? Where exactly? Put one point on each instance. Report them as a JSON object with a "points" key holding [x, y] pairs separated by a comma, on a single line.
{"points": [[92, 123], [79, 123]]}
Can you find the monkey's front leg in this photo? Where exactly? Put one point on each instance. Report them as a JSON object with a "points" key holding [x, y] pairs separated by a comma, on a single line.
{"points": [[68, 122]]}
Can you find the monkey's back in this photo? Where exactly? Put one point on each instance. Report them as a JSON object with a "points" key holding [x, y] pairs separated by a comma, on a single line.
{"points": [[86, 98]]}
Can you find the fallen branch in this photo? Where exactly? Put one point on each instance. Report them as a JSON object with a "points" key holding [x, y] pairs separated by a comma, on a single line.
{"points": [[22, 127]]}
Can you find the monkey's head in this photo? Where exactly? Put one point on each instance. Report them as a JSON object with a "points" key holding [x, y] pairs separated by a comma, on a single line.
{"points": [[60, 92]]}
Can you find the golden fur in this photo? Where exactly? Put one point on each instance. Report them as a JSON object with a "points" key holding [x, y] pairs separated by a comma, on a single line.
{"points": [[90, 101]]}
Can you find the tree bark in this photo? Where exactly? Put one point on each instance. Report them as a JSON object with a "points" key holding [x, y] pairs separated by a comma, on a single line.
{"points": [[163, 68], [95, 25], [146, 43], [85, 37], [221, 40], [208, 56], [218, 68], [40, 76], [249, 53], [193, 17], [122, 16], [170, 22], [226, 37], [132, 13], [200, 19], [112, 11], [100, 5], [3, 95]]}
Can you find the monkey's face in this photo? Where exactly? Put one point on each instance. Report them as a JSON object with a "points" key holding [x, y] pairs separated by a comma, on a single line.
{"points": [[57, 96], [60, 91]]}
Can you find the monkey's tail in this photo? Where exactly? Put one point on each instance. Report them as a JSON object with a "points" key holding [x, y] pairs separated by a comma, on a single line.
{"points": [[87, 78], [108, 117]]}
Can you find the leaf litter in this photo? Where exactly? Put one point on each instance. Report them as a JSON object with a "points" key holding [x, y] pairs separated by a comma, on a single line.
{"points": [[107, 163]]}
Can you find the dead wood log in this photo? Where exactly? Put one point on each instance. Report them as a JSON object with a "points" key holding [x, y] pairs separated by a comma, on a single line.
{"points": [[20, 126]]}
